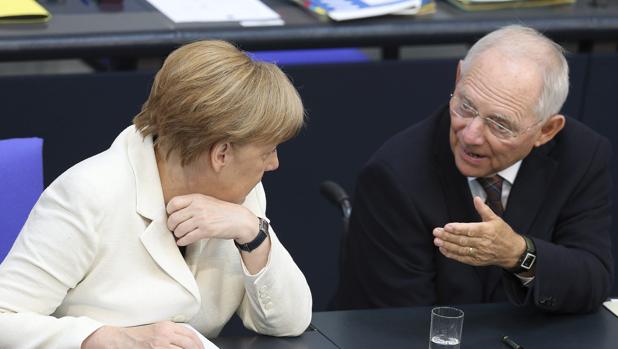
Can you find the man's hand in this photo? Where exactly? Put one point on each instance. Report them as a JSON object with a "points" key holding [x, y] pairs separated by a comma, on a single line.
{"points": [[194, 217], [162, 335], [490, 242]]}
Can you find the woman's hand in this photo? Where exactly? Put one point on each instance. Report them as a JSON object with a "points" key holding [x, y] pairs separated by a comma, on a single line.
{"points": [[195, 216], [161, 335]]}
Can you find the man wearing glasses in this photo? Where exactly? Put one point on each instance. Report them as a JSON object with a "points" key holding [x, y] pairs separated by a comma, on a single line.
{"points": [[496, 197]]}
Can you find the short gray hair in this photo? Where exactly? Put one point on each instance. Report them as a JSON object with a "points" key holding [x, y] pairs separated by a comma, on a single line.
{"points": [[520, 41]]}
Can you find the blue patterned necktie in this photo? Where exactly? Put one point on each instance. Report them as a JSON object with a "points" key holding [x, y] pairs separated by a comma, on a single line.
{"points": [[493, 188]]}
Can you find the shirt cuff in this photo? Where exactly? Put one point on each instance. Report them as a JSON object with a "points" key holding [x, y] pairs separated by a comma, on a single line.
{"points": [[526, 281]]}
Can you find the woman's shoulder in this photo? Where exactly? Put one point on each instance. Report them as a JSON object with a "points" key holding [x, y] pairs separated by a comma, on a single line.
{"points": [[99, 176]]}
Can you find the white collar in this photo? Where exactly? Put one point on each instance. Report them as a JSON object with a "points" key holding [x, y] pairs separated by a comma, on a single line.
{"points": [[508, 174], [149, 194]]}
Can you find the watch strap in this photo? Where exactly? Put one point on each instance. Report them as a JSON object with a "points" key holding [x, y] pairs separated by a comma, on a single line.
{"points": [[527, 259], [259, 239]]}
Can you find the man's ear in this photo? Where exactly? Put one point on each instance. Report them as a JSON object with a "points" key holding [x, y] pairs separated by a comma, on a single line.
{"points": [[220, 155], [550, 129]]}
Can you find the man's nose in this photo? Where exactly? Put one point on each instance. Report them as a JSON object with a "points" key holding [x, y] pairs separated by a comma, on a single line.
{"points": [[473, 133]]}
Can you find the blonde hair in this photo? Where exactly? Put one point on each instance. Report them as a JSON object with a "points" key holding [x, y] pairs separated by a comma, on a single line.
{"points": [[209, 92], [523, 42]]}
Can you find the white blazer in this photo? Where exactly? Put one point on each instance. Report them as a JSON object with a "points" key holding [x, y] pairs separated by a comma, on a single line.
{"points": [[96, 251]]}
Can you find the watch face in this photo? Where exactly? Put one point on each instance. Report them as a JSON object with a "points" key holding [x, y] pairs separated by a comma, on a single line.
{"points": [[528, 261]]}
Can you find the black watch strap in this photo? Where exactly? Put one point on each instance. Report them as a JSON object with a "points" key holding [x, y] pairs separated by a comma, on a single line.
{"points": [[255, 243], [527, 259]]}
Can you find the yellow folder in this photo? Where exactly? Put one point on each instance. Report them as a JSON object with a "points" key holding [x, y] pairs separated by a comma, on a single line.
{"points": [[22, 11]]}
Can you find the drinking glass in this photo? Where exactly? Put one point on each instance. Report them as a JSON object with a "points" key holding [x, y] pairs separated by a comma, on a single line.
{"points": [[446, 326]]}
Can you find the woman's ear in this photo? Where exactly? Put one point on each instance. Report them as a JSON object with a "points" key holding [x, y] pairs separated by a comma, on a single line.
{"points": [[220, 156]]}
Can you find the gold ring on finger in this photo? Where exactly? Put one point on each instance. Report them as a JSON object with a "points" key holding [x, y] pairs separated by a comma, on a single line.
{"points": [[470, 251]]}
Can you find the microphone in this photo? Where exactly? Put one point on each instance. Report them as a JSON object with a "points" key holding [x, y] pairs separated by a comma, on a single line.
{"points": [[334, 193]]}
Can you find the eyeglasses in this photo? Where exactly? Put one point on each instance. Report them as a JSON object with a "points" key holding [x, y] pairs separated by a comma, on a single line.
{"points": [[497, 125]]}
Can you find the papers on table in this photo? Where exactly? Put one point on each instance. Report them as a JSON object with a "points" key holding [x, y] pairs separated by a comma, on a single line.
{"points": [[343, 10], [247, 12], [205, 342], [484, 5], [612, 305]]}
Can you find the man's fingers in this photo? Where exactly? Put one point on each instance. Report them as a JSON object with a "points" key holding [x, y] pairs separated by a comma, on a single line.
{"points": [[457, 239], [446, 253], [449, 254], [486, 213], [456, 249], [465, 229]]}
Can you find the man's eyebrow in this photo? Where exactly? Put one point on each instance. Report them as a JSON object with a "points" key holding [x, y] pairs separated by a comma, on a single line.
{"points": [[467, 101], [500, 117]]}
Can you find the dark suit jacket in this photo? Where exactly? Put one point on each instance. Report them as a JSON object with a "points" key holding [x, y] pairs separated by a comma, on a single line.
{"points": [[411, 185]]}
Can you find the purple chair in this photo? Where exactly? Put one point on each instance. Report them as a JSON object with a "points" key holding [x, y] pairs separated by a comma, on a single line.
{"points": [[21, 184]]}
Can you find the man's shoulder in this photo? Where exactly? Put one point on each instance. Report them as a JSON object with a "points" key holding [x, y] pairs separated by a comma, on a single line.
{"points": [[576, 140]]}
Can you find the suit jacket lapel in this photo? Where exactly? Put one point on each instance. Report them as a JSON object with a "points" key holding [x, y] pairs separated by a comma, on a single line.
{"points": [[530, 189], [157, 239], [161, 245]]}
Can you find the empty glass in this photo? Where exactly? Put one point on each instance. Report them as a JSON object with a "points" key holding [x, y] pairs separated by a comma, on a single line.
{"points": [[446, 326]]}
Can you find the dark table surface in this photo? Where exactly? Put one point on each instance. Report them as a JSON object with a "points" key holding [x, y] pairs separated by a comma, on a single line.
{"points": [[309, 340], [82, 29], [484, 326]]}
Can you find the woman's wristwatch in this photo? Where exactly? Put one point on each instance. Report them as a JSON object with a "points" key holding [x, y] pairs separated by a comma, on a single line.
{"points": [[255, 243]]}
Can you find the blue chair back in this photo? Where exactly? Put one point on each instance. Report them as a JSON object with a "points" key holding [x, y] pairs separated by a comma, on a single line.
{"points": [[311, 56], [21, 184]]}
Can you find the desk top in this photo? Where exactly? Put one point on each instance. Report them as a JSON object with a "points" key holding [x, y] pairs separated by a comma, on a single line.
{"points": [[484, 326], [81, 28], [308, 340]]}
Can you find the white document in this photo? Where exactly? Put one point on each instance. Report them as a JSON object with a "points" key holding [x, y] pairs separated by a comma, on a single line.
{"points": [[207, 344], [612, 305], [253, 12]]}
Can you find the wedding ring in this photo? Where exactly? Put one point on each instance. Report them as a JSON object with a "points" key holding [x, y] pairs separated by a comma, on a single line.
{"points": [[470, 251]]}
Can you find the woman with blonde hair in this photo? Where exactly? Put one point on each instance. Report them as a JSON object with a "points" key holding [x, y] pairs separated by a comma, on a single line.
{"points": [[168, 225]]}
